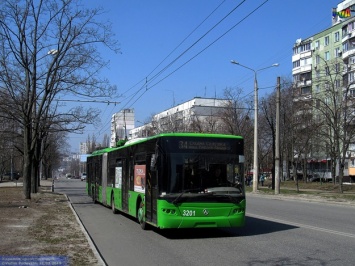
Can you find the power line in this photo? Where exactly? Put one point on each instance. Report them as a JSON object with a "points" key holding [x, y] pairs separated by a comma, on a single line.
{"points": [[188, 37], [145, 85], [198, 26], [89, 101], [191, 46], [208, 46]]}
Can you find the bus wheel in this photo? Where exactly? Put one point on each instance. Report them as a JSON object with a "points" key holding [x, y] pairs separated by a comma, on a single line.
{"points": [[140, 216], [113, 205]]}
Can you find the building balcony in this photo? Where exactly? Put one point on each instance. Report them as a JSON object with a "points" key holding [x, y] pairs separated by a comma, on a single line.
{"points": [[301, 69], [301, 55], [348, 53], [347, 36], [304, 83], [302, 97]]}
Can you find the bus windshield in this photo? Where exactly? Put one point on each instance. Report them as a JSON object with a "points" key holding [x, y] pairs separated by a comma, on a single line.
{"points": [[201, 173]]}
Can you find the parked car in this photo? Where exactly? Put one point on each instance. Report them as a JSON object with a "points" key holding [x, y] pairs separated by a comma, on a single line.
{"points": [[11, 176], [318, 178], [83, 177]]}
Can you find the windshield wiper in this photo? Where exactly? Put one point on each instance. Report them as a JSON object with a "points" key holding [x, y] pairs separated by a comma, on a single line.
{"points": [[183, 192]]}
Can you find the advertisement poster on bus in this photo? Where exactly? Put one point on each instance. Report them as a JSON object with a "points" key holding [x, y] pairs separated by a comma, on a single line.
{"points": [[118, 177], [139, 178]]}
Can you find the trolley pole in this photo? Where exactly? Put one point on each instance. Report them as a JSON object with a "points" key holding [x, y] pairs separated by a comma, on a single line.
{"points": [[277, 136]]}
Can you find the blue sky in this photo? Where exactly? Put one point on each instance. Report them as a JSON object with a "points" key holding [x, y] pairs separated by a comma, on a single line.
{"points": [[183, 49]]}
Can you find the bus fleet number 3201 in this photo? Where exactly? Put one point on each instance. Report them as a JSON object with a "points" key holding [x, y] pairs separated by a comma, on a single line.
{"points": [[188, 213]]}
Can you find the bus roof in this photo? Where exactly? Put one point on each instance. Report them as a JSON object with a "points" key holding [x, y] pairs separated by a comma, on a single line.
{"points": [[140, 140]]}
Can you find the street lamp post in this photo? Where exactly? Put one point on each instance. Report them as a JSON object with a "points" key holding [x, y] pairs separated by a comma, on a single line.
{"points": [[256, 163]]}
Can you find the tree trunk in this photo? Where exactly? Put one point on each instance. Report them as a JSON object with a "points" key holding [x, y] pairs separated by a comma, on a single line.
{"points": [[341, 175], [295, 178], [27, 164], [34, 171], [35, 168]]}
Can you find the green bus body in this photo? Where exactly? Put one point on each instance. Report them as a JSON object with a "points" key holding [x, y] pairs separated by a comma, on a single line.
{"points": [[173, 180]]}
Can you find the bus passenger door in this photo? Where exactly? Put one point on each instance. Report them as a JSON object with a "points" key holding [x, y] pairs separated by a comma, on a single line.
{"points": [[151, 192], [97, 180], [125, 184], [104, 178]]}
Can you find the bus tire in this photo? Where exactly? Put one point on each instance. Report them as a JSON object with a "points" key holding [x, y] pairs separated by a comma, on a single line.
{"points": [[114, 211], [140, 216]]}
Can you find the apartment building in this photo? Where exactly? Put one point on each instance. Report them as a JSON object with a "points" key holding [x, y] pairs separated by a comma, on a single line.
{"points": [[198, 114], [121, 123], [321, 61], [83, 148]]}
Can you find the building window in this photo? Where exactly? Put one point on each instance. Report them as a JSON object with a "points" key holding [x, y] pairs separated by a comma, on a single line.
{"points": [[316, 45], [326, 40], [317, 59], [306, 76], [352, 93], [317, 89], [302, 48], [296, 64], [351, 26], [306, 90], [345, 46], [327, 56], [337, 83], [306, 61], [337, 68], [337, 52], [351, 77], [336, 36]]}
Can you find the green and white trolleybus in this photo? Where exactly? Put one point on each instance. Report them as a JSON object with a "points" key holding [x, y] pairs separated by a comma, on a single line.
{"points": [[173, 180]]}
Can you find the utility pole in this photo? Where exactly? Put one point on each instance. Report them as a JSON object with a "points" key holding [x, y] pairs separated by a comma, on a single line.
{"points": [[256, 162], [277, 136]]}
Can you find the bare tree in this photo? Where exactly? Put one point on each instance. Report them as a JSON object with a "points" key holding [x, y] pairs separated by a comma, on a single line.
{"points": [[304, 132], [48, 51], [205, 124], [267, 138], [286, 127], [106, 141], [54, 147], [236, 119], [237, 112], [268, 128], [334, 105]]}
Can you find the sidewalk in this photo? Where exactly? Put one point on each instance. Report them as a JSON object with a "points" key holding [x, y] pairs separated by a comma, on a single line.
{"points": [[19, 183], [43, 227], [310, 195]]}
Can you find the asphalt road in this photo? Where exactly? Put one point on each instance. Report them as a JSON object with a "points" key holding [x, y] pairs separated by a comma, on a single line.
{"points": [[277, 232]]}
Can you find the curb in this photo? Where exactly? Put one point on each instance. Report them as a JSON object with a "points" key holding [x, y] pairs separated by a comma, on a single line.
{"points": [[89, 239], [300, 198]]}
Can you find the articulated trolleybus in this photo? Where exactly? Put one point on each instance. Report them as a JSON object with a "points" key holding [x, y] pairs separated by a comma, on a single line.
{"points": [[173, 180]]}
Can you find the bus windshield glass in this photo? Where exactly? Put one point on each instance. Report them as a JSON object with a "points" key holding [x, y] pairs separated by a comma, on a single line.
{"points": [[200, 172]]}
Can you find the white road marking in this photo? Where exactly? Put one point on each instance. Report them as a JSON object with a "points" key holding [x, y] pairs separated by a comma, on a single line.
{"points": [[302, 225]]}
